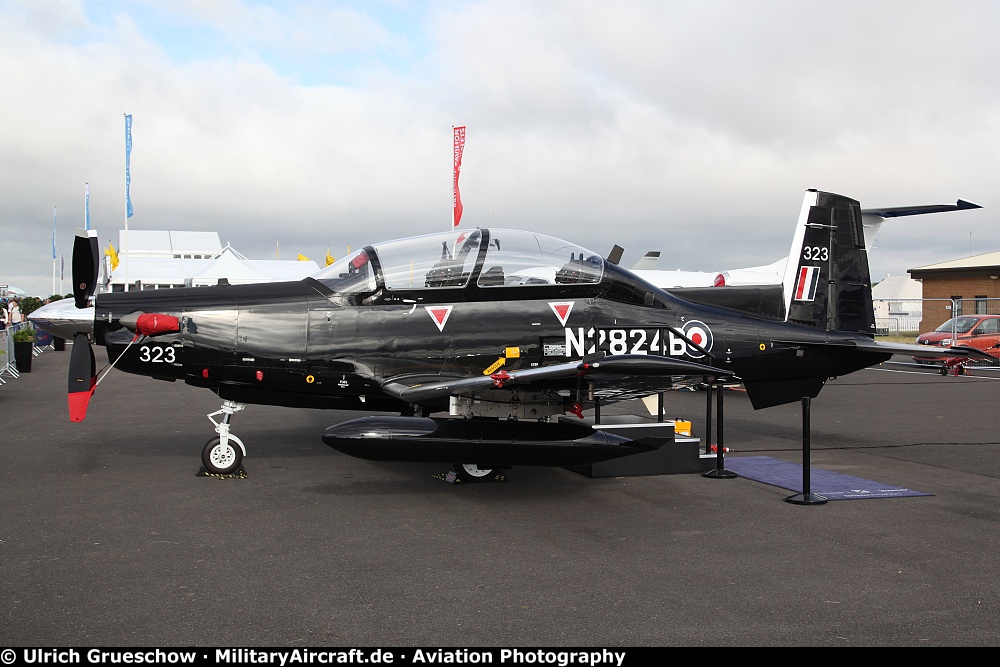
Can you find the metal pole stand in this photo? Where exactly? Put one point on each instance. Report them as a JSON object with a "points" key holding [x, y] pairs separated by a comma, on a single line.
{"points": [[720, 471], [805, 498], [708, 419]]}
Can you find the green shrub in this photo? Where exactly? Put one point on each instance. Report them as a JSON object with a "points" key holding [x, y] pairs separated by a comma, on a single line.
{"points": [[24, 335], [30, 304]]}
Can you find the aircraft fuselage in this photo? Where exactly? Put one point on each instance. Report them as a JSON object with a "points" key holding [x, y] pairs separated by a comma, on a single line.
{"points": [[300, 345]]}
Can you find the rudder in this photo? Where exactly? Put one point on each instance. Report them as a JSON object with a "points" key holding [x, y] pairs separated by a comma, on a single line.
{"points": [[829, 285]]}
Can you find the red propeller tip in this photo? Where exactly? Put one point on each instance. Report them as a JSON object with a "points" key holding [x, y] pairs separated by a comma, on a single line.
{"points": [[78, 402]]}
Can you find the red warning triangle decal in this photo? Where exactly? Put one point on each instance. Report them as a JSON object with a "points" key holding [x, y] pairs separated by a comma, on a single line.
{"points": [[439, 314], [562, 309]]}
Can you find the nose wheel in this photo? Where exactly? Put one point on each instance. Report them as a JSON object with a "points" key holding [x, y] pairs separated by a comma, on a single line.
{"points": [[223, 454], [222, 458]]}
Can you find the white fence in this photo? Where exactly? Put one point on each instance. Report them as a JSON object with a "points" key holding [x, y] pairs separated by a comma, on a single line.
{"points": [[898, 317], [906, 317], [7, 366]]}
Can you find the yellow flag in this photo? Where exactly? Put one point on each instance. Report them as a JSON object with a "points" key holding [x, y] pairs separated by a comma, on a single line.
{"points": [[303, 258], [110, 252], [329, 257]]}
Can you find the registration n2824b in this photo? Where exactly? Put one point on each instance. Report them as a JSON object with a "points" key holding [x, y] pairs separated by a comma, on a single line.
{"points": [[640, 340]]}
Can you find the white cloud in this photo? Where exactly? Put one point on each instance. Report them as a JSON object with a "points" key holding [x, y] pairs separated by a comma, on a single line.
{"points": [[688, 127]]}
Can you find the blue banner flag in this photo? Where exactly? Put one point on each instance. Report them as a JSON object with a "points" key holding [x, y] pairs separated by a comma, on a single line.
{"points": [[53, 232], [128, 158], [86, 206]]}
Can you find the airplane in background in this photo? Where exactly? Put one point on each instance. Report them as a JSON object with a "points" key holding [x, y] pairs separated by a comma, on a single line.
{"points": [[513, 334], [774, 273]]}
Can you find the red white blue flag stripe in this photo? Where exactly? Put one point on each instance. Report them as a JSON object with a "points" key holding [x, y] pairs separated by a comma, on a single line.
{"points": [[805, 289]]}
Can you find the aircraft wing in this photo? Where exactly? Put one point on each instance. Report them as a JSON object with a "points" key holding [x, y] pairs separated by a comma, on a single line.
{"points": [[896, 348], [620, 375]]}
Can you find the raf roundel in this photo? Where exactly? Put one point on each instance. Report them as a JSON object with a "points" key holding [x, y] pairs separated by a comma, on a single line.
{"points": [[699, 334]]}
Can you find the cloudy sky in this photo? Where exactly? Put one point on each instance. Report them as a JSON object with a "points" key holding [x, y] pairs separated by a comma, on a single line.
{"points": [[689, 127]]}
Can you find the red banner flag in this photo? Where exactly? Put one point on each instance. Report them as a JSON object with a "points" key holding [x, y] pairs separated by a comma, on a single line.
{"points": [[456, 216]]}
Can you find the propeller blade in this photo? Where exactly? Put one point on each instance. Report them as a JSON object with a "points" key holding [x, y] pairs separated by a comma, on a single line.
{"points": [[85, 266], [82, 377]]}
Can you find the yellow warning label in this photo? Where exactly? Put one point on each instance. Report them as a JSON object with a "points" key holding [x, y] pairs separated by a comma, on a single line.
{"points": [[495, 365], [513, 353]]}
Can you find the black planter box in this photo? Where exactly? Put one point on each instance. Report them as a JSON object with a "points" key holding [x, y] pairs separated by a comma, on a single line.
{"points": [[22, 356]]}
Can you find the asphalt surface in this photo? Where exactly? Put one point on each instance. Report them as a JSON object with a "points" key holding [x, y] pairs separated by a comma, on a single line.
{"points": [[110, 538]]}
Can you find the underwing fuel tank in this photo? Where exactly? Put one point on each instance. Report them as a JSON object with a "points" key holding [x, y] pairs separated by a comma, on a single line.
{"points": [[480, 441]]}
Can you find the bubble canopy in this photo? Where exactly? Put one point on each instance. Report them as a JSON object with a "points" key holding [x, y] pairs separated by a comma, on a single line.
{"points": [[485, 258]]}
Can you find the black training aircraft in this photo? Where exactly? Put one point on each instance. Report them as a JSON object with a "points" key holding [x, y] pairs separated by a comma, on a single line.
{"points": [[508, 331]]}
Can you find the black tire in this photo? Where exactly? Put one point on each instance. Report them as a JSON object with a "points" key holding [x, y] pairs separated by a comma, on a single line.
{"points": [[470, 472], [219, 460]]}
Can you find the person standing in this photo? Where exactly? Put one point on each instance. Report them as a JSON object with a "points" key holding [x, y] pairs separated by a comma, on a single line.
{"points": [[14, 313]]}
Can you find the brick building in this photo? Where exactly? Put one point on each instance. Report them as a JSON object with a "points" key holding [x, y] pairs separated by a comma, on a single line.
{"points": [[972, 283]]}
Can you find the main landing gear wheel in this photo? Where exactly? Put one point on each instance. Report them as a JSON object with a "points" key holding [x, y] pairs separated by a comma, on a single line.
{"points": [[220, 459]]}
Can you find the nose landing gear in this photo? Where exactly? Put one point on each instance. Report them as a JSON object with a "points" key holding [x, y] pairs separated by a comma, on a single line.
{"points": [[224, 454]]}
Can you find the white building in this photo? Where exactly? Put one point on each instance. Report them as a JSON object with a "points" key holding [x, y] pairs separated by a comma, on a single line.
{"points": [[162, 259], [898, 305]]}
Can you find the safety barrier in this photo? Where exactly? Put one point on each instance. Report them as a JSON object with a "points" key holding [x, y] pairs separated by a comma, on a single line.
{"points": [[7, 366], [980, 306], [905, 319]]}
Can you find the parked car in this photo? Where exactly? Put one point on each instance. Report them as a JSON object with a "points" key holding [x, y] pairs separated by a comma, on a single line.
{"points": [[979, 331]]}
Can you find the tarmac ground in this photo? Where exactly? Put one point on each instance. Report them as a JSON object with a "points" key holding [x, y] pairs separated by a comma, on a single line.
{"points": [[110, 538]]}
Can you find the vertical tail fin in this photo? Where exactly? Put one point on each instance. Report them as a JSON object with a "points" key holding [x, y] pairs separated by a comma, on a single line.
{"points": [[827, 283]]}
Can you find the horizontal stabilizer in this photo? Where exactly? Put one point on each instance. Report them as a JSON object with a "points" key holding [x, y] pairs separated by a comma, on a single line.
{"points": [[900, 211]]}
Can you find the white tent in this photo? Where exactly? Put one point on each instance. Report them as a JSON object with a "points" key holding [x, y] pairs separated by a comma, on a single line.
{"points": [[186, 259], [228, 266]]}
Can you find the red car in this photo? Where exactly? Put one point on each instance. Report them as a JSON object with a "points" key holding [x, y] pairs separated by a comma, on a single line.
{"points": [[979, 331]]}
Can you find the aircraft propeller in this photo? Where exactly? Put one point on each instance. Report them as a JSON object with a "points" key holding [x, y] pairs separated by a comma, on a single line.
{"points": [[82, 366]]}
